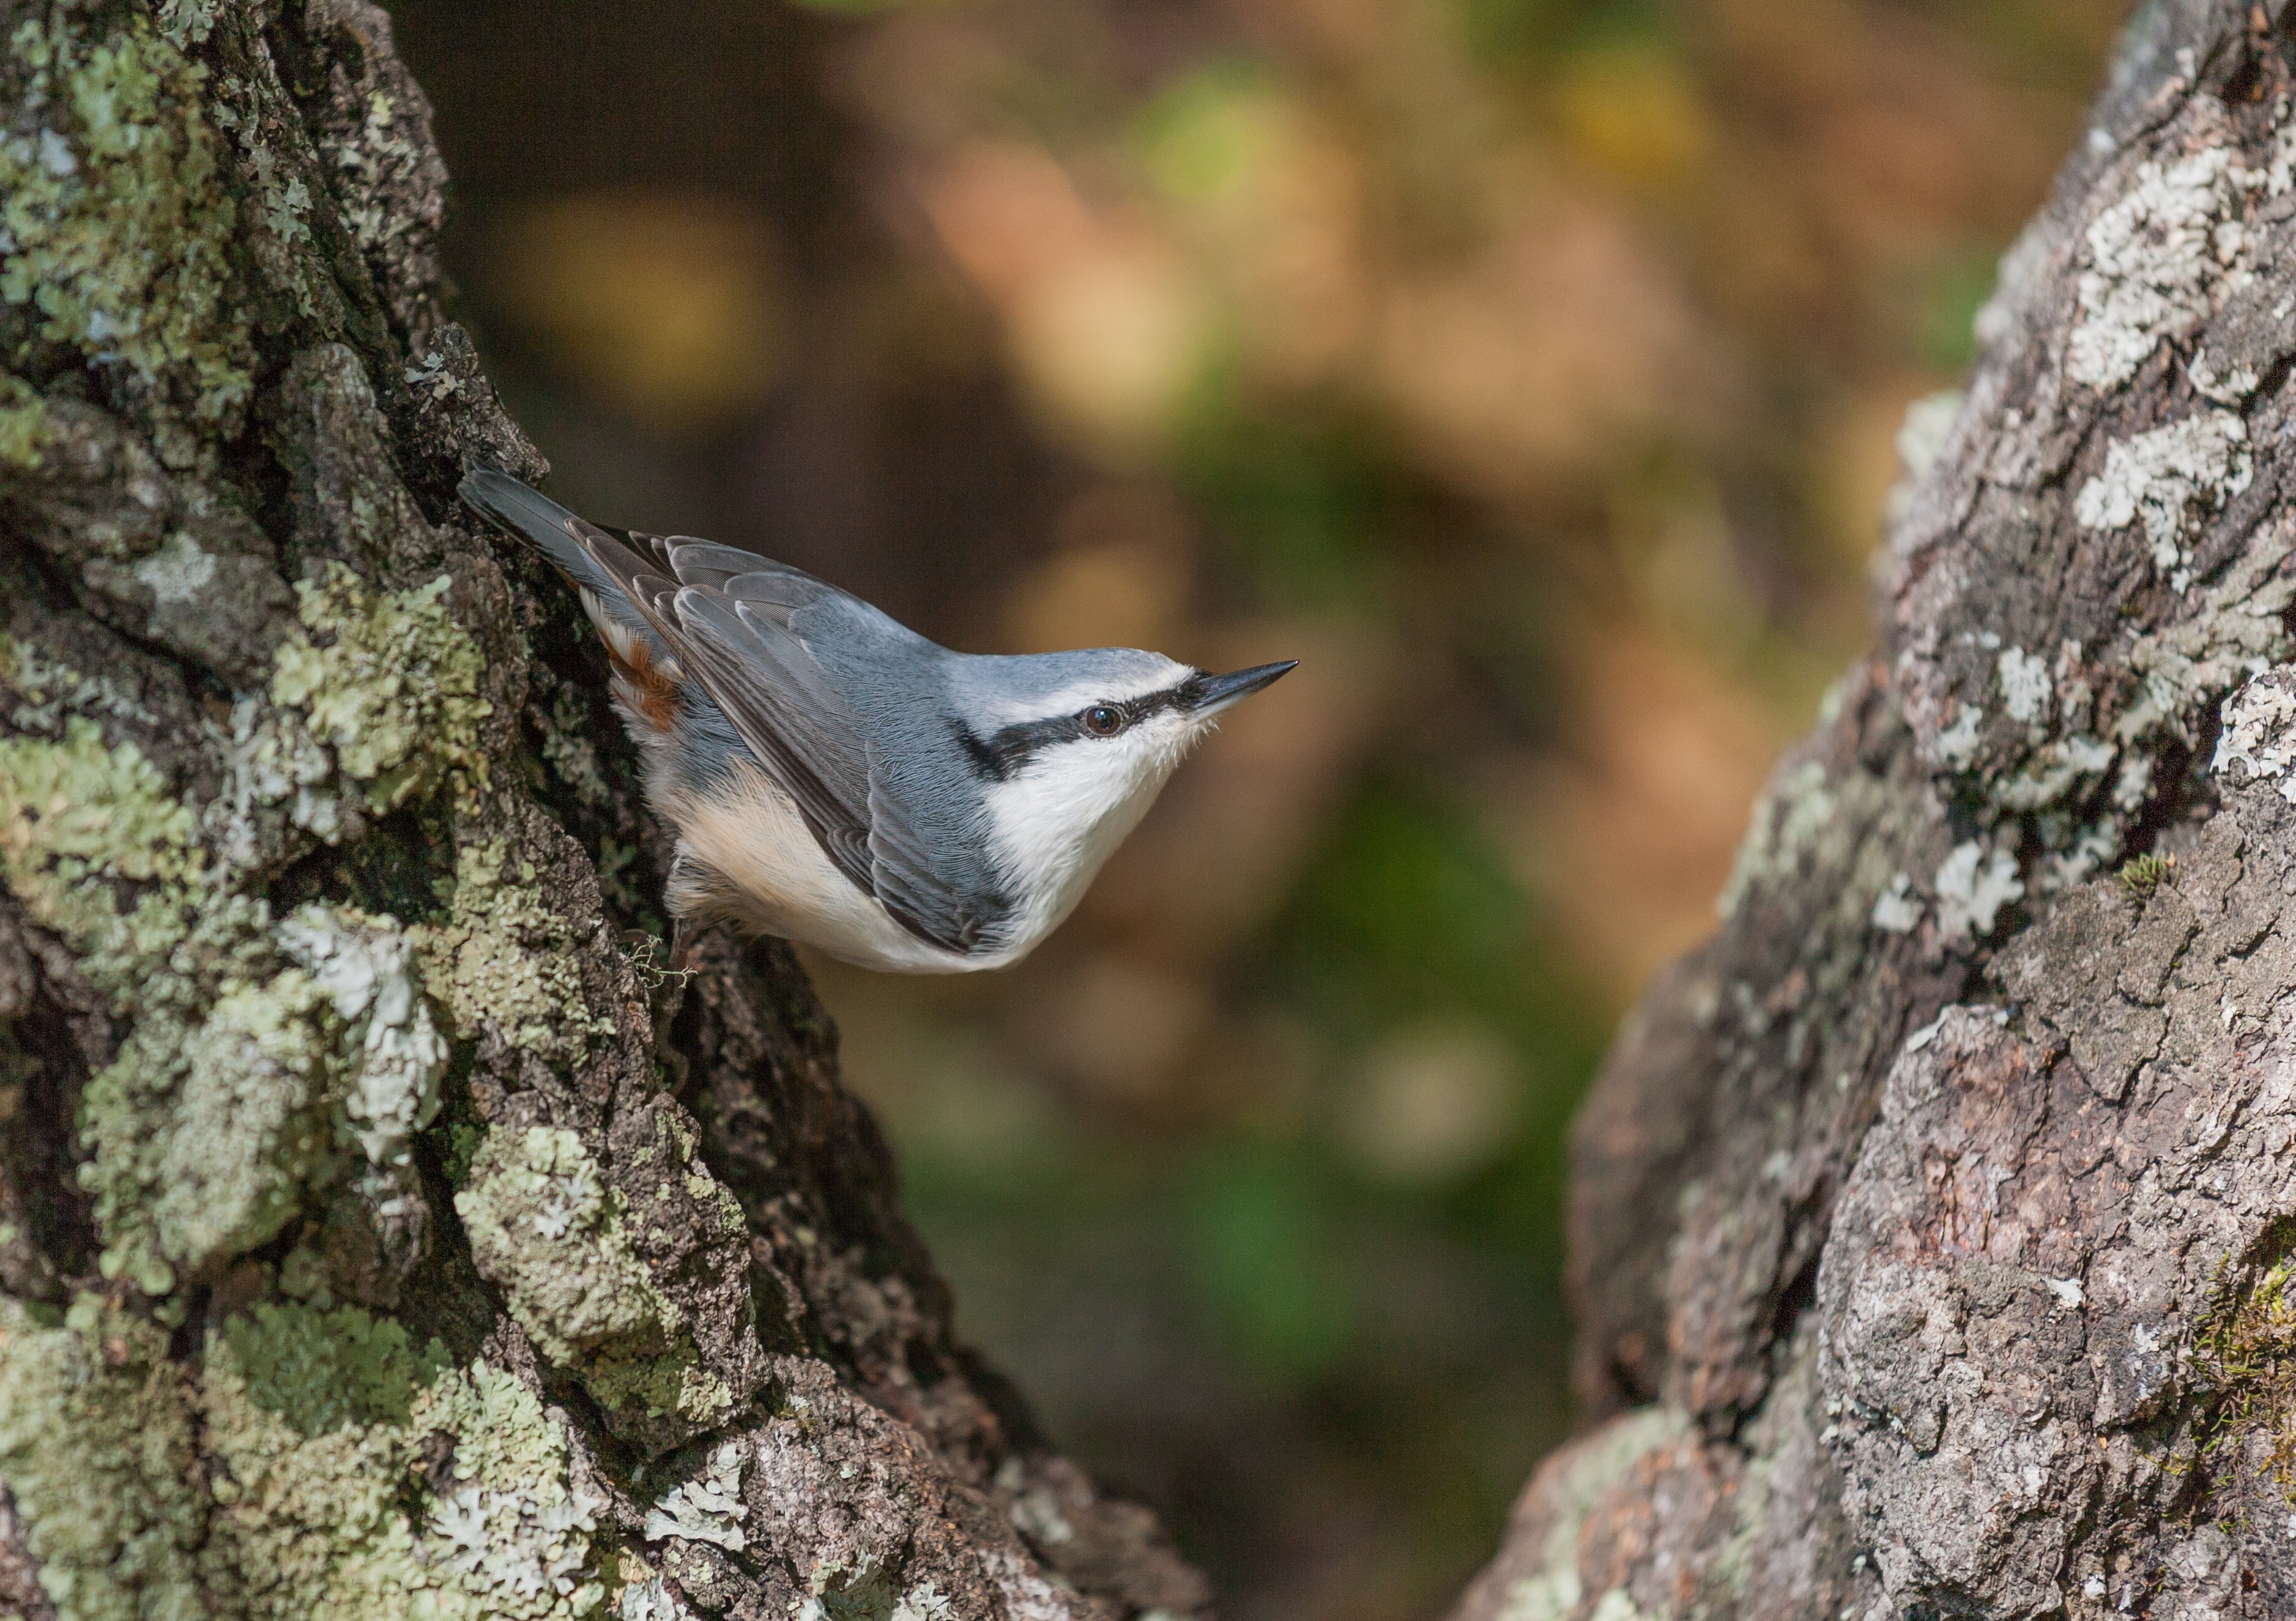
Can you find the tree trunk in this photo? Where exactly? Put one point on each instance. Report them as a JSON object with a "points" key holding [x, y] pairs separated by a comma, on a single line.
{"points": [[1934, 1226], [383, 1228]]}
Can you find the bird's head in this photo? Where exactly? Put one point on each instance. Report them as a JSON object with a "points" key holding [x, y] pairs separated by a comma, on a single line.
{"points": [[1074, 748]]}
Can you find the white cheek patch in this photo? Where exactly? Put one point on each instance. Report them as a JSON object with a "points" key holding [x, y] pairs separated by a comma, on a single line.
{"points": [[1055, 823]]}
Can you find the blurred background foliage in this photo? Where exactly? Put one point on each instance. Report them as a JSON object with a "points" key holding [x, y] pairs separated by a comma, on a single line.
{"points": [[1527, 368]]}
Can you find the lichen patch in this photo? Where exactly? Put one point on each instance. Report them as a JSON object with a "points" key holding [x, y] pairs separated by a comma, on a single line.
{"points": [[389, 681], [706, 1508], [320, 1421], [1787, 822], [23, 423], [1973, 886], [2168, 479], [546, 1230], [121, 221], [2258, 741], [96, 1443], [2158, 257], [2026, 692], [260, 1063], [504, 961], [362, 965]]}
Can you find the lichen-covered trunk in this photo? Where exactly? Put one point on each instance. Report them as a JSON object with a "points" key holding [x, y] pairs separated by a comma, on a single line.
{"points": [[382, 1230], [1934, 1227]]}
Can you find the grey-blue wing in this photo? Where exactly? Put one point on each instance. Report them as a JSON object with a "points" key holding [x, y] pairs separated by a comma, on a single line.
{"points": [[747, 642], [805, 746]]}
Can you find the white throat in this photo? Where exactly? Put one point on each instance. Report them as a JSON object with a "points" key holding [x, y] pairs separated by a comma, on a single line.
{"points": [[1053, 822]]}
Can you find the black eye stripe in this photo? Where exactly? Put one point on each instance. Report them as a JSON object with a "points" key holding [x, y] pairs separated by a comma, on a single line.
{"points": [[1008, 749]]}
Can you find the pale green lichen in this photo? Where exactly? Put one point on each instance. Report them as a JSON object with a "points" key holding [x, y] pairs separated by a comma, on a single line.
{"points": [[391, 686], [225, 1105], [119, 218], [371, 156], [23, 423], [48, 693], [503, 958], [363, 964], [2169, 479], [246, 1129], [78, 810], [321, 1419], [77, 815], [276, 776], [707, 1191], [242, 1079], [706, 1508], [868, 1590], [1973, 886], [132, 1110], [205, 1133], [81, 818], [96, 1444], [647, 1598], [2156, 262], [546, 1230], [186, 22]]}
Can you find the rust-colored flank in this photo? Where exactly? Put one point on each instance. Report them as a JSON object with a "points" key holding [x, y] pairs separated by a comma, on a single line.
{"points": [[646, 687]]}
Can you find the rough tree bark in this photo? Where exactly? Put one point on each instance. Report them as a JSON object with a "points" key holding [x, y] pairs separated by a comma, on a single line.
{"points": [[1934, 1226], [381, 1230]]}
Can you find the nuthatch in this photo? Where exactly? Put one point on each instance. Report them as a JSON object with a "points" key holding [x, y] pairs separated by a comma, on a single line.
{"points": [[834, 778]]}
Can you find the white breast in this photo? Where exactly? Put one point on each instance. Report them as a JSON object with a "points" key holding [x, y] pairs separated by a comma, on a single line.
{"points": [[755, 864], [762, 868]]}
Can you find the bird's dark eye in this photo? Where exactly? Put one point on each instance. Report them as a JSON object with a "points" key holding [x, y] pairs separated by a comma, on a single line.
{"points": [[1104, 720]]}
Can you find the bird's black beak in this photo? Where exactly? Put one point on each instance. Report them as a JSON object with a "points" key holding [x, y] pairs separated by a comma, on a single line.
{"points": [[1208, 695]]}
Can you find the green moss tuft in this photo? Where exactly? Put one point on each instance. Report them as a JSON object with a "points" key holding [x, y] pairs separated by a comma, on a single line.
{"points": [[120, 218], [545, 1229], [394, 691], [2141, 875], [97, 1446], [324, 1422], [2245, 1354]]}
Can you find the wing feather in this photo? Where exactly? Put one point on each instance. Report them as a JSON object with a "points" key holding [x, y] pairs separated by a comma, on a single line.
{"points": [[752, 655]]}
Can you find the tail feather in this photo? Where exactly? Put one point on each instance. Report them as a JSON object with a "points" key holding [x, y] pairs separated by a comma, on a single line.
{"points": [[610, 579], [562, 537]]}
